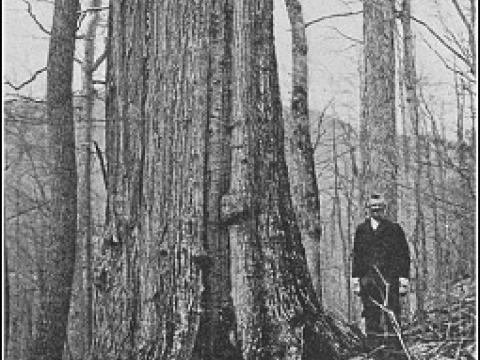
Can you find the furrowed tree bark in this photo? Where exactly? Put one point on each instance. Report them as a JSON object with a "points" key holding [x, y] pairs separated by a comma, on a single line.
{"points": [[60, 247], [379, 157], [159, 288], [277, 311], [306, 200], [153, 278], [217, 322]]}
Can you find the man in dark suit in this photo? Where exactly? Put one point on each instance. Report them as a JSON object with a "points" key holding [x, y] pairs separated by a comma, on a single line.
{"points": [[380, 268]]}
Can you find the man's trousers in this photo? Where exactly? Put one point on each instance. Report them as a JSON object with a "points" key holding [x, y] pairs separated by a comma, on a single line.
{"points": [[379, 325]]}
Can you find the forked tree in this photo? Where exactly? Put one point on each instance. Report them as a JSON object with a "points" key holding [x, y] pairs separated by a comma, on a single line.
{"points": [[198, 185]]}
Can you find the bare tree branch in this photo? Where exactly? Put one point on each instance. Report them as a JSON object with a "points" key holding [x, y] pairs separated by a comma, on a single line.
{"points": [[98, 151], [23, 212], [447, 65], [320, 122], [100, 59], [332, 16], [40, 25], [22, 97], [357, 41], [462, 16], [34, 17], [442, 41], [26, 82]]}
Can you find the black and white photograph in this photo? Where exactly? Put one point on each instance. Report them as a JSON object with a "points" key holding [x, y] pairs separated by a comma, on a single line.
{"points": [[239, 180]]}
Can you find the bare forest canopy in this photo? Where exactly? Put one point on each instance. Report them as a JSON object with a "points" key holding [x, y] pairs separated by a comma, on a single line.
{"points": [[195, 195]]}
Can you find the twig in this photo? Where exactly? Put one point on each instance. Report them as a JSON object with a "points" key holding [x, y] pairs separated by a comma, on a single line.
{"points": [[100, 59], [93, 9], [463, 17], [367, 356], [320, 121], [442, 41], [25, 211], [446, 64], [357, 41], [385, 298], [23, 97], [396, 326], [34, 17], [102, 164], [26, 82], [332, 16]]}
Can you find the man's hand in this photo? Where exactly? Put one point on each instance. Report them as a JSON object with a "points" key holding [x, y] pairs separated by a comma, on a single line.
{"points": [[356, 286], [403, 286]]}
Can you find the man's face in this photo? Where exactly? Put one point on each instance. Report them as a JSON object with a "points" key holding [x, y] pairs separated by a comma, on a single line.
{"points": [[377, 212]]}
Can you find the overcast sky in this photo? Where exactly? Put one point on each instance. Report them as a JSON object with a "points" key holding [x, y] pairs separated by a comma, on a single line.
{"points": [[333, 59]]}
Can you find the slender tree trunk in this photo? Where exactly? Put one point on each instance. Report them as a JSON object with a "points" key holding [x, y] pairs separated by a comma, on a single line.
{"points": [[413, 113], [6, 289], [379, 157], [86, 216], [60, 247], [80, 318], [465, 250], [436, 228], [472, 36], [362, 142], [306, 199], [338, 205], [18, 317], [350, 212], [442, 277], [405, 118]]}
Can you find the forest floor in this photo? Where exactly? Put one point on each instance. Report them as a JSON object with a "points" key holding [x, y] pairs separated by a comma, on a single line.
{"points": [[448, 332]]}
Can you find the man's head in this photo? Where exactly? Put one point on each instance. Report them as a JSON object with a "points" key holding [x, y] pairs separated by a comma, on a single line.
{"points": [[376, 206]]}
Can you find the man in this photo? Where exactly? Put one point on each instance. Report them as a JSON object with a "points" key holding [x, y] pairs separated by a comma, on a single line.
{"points": [[380, 257]]}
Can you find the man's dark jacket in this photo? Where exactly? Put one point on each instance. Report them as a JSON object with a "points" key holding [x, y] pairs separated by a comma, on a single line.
{"points": [[385, 247]]}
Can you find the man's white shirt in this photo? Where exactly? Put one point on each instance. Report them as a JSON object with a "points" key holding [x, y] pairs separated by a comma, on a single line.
{"points": [[374, 223]]}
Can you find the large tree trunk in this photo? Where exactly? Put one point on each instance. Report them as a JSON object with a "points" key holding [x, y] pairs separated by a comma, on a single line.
{"points": [[60, 247], [306, 199], [164, 272], [379, 156], [150, 302], [277, 311], [162, 289]]}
